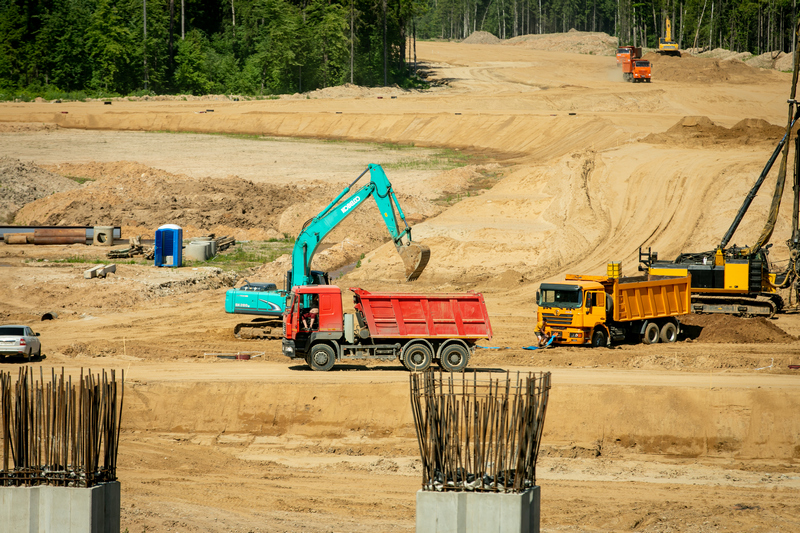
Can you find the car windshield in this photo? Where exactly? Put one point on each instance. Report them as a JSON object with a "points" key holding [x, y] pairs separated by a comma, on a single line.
{"points": [[564, 296], [12, 330]]}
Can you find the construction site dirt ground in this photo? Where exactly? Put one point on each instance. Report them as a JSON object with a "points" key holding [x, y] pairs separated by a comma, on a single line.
{"points": [[517, 167]]}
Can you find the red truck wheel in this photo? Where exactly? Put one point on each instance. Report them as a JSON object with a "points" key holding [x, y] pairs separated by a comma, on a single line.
{"points": [[417, 357], [321, 358], [454, 358]]}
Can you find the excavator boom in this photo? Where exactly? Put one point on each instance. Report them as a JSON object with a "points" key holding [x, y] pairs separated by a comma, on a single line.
{"points": [[415, 256]]}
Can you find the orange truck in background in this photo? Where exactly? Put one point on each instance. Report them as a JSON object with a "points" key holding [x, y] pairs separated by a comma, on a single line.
{"points": [[634, 68], [598, 309]]}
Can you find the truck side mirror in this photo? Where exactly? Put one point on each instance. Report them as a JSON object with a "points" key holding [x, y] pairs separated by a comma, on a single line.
{"points": [[538, 298]]}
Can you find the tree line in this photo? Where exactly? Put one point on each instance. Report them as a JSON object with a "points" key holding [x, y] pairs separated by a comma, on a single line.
{"points": [[267, 47], [252, 47], [755, 26]]}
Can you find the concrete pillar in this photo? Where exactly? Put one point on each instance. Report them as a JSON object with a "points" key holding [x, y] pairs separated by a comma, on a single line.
{"points": [[46, 509], [478, 512]]}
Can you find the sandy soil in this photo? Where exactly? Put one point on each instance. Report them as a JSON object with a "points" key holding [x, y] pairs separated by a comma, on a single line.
{"points": [[567, 173]]}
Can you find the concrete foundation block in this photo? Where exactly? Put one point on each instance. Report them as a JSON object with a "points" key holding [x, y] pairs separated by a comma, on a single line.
{"points": [[103, 236], [99, 271], [478, 512], [46, 509]]}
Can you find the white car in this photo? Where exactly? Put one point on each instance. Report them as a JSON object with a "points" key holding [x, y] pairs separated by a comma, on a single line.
{"points": [[19, 340]]}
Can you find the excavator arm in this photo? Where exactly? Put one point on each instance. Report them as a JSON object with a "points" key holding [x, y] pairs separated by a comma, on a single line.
{"points": [[414, 255]]}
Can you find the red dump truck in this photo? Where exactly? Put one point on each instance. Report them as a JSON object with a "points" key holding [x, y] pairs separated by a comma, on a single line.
{"points": [[414, 328], [598, 309]]}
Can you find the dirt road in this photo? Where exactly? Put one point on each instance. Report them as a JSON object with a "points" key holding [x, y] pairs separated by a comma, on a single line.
{"points": [[569, 169]]}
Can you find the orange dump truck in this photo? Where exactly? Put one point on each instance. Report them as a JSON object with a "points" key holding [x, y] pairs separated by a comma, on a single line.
{"points": [[634, 68], [625, 54], [599, 309]]}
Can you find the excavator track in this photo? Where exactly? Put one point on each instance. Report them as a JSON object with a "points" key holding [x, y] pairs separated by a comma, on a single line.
{"points": [[764, 304], [271, 328]]}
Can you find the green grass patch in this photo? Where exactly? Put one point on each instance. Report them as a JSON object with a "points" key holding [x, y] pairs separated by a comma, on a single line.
{"points": [[79, 180], [248, 254]]}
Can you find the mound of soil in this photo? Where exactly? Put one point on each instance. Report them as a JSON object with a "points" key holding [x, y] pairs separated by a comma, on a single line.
{"points": [[731, 329], [578, 42], [23, 182], [776, 59], [482, 37], [130, 194], [140, 199], [702, 131], [705, 70]]}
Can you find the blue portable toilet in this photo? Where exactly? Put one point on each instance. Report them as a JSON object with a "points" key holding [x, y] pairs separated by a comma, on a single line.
{"points": [[169, 246]]}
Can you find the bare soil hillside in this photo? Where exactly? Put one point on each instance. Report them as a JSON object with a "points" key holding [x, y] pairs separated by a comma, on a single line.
{"points": [[513, 171]]}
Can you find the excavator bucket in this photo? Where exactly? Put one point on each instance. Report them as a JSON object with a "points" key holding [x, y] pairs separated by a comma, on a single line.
{"points": [[415, 256]]}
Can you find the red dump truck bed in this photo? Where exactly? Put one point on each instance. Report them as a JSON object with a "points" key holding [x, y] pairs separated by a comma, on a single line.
{"points": [[408, 315]]}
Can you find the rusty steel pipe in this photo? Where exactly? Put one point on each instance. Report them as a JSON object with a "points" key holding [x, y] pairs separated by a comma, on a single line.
{"points": [[66, 232], [15, 238], [59, 240]]}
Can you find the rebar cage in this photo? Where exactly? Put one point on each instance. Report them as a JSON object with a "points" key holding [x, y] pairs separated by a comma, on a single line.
{"points": [[479, 434], [60, 433]]}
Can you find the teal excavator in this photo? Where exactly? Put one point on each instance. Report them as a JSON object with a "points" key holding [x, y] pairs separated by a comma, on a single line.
{"points": [[266, 301]]}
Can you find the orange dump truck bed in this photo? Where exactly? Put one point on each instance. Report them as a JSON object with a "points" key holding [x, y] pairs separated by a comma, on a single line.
{"points": [[645, 300]]}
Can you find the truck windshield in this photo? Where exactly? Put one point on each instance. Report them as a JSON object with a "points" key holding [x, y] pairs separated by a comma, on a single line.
{"points": [[565, 296], [623, 51], [642, 63]]}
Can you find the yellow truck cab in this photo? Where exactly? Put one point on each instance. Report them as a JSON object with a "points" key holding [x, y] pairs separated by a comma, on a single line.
{"points": [[599, 309]]}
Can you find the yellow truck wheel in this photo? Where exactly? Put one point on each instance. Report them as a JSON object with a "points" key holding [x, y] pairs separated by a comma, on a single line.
{"points": [[599, 338], [651, 333], [669, 332]]}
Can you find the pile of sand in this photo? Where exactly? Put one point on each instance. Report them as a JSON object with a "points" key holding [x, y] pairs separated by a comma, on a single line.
{"points": [[482, 37], [731, 329], [771, 60], [725, 55], [23, 182], [702, 131], [705, 70], [579, 42]]}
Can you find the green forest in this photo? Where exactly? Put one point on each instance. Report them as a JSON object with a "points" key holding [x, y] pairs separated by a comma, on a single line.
{"points": [[260, 48]]}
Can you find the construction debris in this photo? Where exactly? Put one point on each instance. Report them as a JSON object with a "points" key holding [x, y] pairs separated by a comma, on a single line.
{"points": [[100, 271]]}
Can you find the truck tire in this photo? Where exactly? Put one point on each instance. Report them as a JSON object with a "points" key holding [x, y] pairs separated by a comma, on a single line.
{"points": [[651, 333], [417, 357], [321, 358], [454, 358], [599, 338], [669, 332]]}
